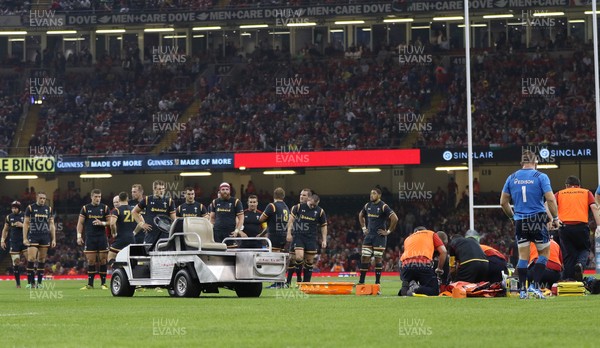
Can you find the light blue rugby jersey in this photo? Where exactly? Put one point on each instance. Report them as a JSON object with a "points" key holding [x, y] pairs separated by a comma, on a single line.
{"points": [[527, 188]]}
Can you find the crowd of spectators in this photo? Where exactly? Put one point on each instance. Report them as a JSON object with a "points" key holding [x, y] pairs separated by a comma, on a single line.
{"points": [[11, 108], [518, 99], [14, 7], [124, 6], [312, 101], [113, 111], [324, 101]]}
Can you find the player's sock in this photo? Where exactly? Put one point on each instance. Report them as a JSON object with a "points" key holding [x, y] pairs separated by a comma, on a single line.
{"points": [[378, 268], [308, 267], [30, 273], [290, 272], [40, 275], [91, 274], [17, 274], [299, 271], [522, 271], [538, 270], [364, 267], [102, 274]]}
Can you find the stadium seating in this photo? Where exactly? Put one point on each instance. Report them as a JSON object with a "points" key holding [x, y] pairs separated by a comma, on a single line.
{"points": [[13, 7]]}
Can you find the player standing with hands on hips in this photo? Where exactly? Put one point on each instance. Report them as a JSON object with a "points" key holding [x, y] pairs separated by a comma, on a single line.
{"points": [[376, 213], [528, 188]]}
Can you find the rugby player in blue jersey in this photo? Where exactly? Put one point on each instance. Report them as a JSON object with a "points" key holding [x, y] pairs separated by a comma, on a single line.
{"points": [[528, 188]]}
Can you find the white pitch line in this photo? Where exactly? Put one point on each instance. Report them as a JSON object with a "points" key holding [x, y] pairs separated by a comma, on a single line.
{"points": [[16, 314]]}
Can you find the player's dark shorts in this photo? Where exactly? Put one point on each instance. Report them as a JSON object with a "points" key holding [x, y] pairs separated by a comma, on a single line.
{"points": [[375, 240], [96, 243], [305, 241], [121, 242], [17, 246], [278, 240], [532, 229], [472, 272], [39, 239]]}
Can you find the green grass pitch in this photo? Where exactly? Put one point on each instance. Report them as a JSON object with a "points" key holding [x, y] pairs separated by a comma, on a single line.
{"points": [[60, 315]]}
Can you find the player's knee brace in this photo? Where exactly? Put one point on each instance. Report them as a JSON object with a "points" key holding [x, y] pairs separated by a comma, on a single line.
{"points": [[367, 252], [378, 253]]}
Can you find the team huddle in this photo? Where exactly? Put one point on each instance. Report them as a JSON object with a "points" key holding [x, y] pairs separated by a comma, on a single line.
{"points": [[148, 219]]}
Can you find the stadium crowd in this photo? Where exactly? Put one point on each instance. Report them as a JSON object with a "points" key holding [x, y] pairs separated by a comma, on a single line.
{"points": [[111, 111], [11, 108], [14, 7], [510, 109], [123, 6], [320, 101]]}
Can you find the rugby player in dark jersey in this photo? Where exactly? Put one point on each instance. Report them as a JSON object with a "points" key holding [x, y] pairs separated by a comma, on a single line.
{"points": [[91, 226], [373, 219], [252, 226], [276, 215], [14, 224], [191, 208], [137, 195], [226, 214], [306, 221], [39, 234], [122, 226], [292, 261], [158, 209]]}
